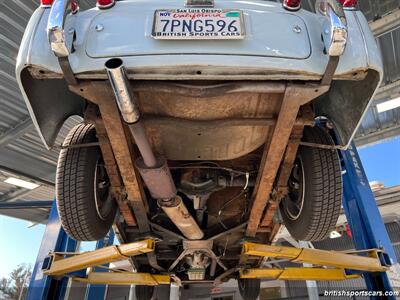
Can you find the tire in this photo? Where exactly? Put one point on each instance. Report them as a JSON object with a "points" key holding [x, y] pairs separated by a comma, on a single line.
{"points": [[144, 292], [319, 189], [249, 288], [86, 209]]}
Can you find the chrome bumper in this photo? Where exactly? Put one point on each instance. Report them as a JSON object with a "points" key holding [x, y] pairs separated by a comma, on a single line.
{"points": [[335, 31], [61, 42]]}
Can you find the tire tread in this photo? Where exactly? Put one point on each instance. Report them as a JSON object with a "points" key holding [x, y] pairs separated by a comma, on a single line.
{"points": [[73, 180], [324, 189]]}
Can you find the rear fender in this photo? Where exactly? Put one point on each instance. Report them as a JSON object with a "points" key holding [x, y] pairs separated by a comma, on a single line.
{"points": [[49, 101], [347, 101], [51, 104]]}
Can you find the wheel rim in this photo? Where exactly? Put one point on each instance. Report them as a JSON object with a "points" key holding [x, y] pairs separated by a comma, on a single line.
{"points": [[293, 203], [102, 195]]}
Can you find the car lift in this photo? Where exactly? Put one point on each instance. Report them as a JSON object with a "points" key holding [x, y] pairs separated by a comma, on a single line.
{"points": [[374, 258]]}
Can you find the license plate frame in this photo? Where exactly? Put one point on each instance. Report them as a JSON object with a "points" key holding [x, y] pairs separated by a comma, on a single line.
{"points": [[190, 15]]}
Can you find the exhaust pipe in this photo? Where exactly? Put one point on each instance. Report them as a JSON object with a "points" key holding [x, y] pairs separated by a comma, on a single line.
{"points": [[154, 171]]}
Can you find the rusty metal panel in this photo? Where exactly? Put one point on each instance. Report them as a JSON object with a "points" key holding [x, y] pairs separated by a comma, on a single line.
{"points": [[101, 94], [294, 97]]}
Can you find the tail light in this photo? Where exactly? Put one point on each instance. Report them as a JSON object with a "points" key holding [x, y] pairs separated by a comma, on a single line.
{"points": [[348, 3], [292, 5], [74, 6], [46, 3], [102, 4], [49, 3]]}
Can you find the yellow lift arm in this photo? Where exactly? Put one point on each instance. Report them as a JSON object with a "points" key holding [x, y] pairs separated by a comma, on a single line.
{"points": [[64, 263], [337, 262], [124, 278], [78, 261], [297, 274]]}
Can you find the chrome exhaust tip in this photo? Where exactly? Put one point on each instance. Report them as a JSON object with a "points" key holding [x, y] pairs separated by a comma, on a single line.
{"points": [[120, 84]]}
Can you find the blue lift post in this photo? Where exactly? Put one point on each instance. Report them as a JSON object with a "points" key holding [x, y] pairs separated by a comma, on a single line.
{"points": [[54, 239], [363, 217]]}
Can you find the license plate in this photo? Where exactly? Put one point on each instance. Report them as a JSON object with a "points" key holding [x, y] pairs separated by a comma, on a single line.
{"points": [[198, 23]]}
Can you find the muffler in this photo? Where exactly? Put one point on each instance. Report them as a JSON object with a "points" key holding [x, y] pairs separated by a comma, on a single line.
{"points": [[154, 170]]}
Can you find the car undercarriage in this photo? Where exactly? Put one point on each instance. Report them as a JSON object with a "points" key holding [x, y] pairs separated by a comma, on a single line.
{"points": [[219, 197], [189, 145]]}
